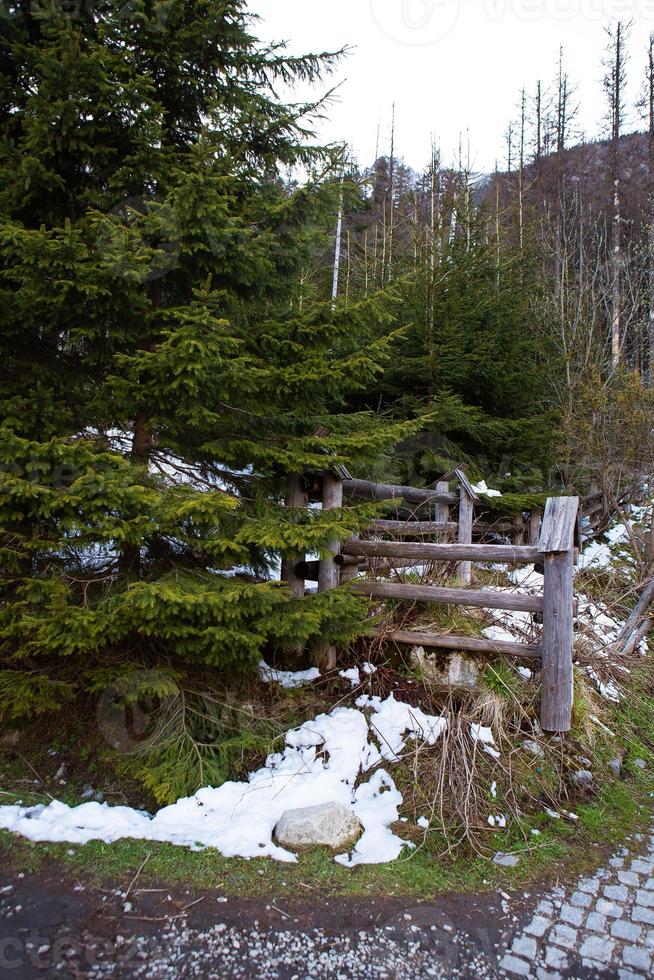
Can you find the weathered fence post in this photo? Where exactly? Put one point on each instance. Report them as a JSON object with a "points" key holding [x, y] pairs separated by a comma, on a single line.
{"points": [[534, 525], [296, 496], [442, 510], [518, 525], [467, 497], [329, 572], [557, 545]]}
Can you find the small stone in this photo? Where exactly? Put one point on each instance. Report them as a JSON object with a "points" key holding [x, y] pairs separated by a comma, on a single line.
{"points": [[506, 860], [642, 867], [640, 914], [532, 746], [564, 936], [621, 929], [583, 779], [572, 915], [616, 893], [581, 900], [596, 922], [649, 884], [327, 825], [556, 958], [616, 862], [645, 898], [525, 946], [615, 765], [637, 957], [629, 878], [597, 948], [590, 885], [511, 964], [608, 908], [538, 926], [649, 939], [640, 764]]}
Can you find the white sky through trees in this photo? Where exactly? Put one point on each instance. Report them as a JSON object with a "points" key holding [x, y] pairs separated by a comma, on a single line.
{"points": [[455, 67]]}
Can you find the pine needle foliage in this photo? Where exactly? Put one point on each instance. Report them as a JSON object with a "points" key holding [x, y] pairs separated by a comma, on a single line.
{"points": [[165, 364]]}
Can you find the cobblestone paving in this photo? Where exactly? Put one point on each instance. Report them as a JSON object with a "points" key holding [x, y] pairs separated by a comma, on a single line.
{"points": [[604, 926]]}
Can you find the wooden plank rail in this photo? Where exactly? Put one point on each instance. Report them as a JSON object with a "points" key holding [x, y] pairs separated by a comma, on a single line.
{"points": [[474, 644], [553, 543], [410, 528], [390, 491], [427, 551], [482, 599]]}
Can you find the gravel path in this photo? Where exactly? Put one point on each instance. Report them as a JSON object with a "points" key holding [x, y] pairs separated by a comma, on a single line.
{"points": [[602, 926]]}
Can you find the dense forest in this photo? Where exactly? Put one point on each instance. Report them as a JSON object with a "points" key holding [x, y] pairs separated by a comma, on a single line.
{"points": [[196, 300]]}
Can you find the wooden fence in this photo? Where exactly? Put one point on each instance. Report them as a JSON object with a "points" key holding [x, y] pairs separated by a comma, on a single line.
{"points": [[551, 542]]}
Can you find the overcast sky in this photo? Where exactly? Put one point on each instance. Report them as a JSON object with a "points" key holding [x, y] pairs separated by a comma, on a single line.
{"points": [[453, 67]]}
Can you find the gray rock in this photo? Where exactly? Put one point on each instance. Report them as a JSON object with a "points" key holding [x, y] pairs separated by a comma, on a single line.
{"points": [[506, 860], [583, 778], [615, 765], [455, 670], [327, 825], [640, 764]]}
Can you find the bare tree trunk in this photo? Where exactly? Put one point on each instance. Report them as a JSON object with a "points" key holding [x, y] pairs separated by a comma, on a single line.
{"points": [[337, 246], [391, 198], [616, 290], [650, 230]]}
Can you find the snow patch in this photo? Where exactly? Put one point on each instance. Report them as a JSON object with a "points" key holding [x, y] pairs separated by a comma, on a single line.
{"points": [[485, 491], [322, 762], [287, 678], [479, 733]]}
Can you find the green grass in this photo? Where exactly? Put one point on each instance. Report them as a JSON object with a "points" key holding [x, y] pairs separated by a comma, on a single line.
{"points": [[562, 849]]}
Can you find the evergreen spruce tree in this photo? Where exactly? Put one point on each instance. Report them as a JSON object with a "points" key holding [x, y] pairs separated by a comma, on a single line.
{"points": [[164, 367]]}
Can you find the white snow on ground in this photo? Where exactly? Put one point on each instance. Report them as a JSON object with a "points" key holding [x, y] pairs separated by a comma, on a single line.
{"points": [[485, 491], [352, 675], [321, 763], [393, 718], [287, 678], [478, 733], [594, 622]]}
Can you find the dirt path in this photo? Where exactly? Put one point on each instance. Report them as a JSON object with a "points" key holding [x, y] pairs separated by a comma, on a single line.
{"points": [[600, 926]]}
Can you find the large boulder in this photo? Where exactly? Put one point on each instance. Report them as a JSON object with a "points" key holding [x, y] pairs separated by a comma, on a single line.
{"points": [[327, 825]]}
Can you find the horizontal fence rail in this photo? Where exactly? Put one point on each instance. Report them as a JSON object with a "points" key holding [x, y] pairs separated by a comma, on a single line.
{"points": [[551, 538], [389, 491], [480, 599], [489, 553], [474, 644], [411, 528]]}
